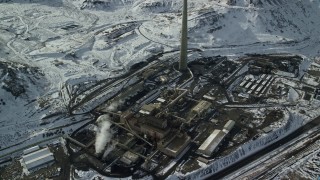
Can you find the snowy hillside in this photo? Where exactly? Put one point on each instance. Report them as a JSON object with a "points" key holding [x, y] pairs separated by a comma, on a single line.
{"points": [[51, 50], [20, 88], [106, 5], [243, 23]]}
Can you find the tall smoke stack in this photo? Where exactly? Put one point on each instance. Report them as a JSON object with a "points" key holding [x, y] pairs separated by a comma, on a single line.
{"points": [[184, 38]]}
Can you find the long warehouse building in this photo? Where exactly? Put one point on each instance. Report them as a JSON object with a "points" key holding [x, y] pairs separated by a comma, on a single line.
{"points": [[38, 159], [212, 142]]}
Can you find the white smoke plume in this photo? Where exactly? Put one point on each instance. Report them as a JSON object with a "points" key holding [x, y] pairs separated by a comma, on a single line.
{"points": [[108, 150], [114, 105], [103, 134]]}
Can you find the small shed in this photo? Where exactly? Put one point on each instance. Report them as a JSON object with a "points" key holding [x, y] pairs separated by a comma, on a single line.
{"points": [[229, 126], [267, 129], [201, 107], [129, 158]]}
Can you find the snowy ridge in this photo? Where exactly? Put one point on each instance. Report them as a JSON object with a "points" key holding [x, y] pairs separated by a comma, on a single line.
{"points": [[44, 2], [246, 24], [172, 6], [105, 5], [213, 24], [159, 6]]}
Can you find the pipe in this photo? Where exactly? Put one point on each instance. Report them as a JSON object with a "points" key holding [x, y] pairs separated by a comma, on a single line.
{"points": [[127, 123], [187, 81], [173, 102], [110, 112], [130, 131], [75, 141]]}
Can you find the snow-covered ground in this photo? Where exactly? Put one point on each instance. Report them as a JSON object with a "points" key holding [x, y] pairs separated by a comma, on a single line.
{"points": [[306, 167], [279, 164], [91, 174], [76, 42]]}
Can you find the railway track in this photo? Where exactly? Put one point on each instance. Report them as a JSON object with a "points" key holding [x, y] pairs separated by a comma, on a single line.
{"points": [[282, 156], [270, 174], [95, 91], [99, 91]]}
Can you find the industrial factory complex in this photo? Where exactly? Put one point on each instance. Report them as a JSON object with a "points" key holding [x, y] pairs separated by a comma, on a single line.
{"points": [[169, 120], [165, 120], [175, 115]]}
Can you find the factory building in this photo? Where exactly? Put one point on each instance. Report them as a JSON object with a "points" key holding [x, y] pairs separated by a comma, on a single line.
{"points": [[201, 107], [243, 83], [154, 132], [35, 158], [255, 86], [211, 143], [30, 150], [149, 109], [248, 85], [174, 145], [129, 158], [156, 122], [228, 126]]}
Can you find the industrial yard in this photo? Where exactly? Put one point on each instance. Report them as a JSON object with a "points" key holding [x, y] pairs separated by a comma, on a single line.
{"points": [[175, 124], [164, 121]]}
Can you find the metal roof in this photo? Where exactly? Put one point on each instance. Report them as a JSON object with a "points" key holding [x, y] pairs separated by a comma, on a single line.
{"points": [[129, 158], [248, 85], [30, 150], [38, 158], [229, 125], [212, 142], [201, 107], [243, 83], [37, 162], [36, 154]]}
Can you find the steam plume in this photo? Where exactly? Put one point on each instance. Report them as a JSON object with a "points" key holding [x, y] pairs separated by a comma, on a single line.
{"points": [[108, 150], [114, 105], [103, 135]]}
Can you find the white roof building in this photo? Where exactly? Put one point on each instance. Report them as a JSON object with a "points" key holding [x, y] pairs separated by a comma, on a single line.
{"points": [[212, 142], [37, 158], [129, 158], [264, 82], [243, 83], [259, 81], [30, 150], [254, 86], [248, 85], [268, 77], [228, 126], [259, 89]]}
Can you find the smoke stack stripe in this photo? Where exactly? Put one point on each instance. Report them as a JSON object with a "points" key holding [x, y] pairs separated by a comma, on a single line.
{"points": [[184, 38]]}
